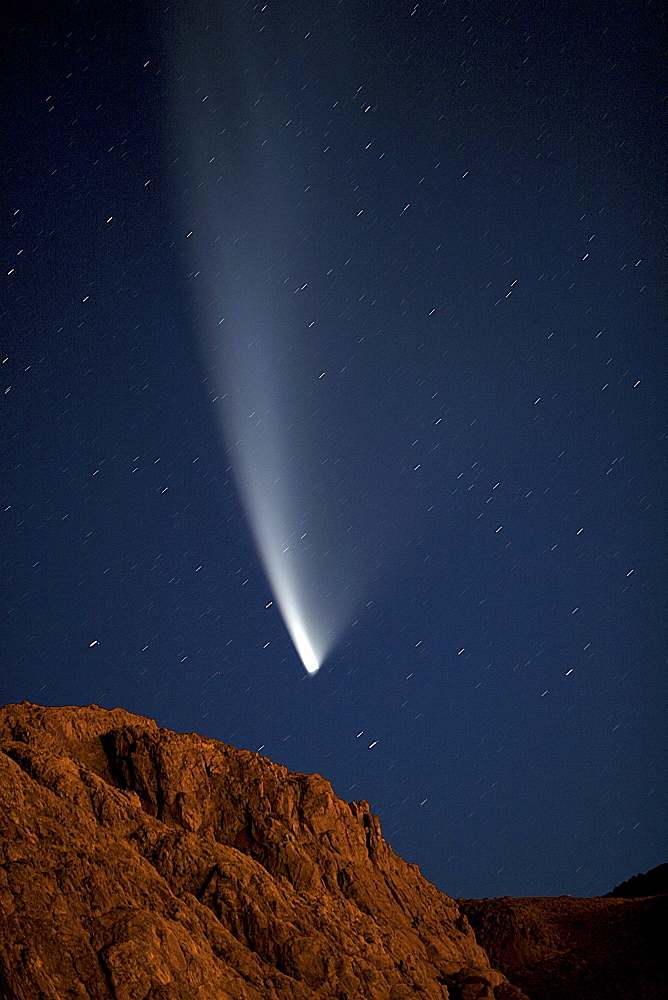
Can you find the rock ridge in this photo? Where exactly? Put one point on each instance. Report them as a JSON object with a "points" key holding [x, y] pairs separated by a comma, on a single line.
{"points": [[140, 863]]}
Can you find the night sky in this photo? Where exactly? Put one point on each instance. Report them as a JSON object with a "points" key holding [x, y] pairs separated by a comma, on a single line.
{"points": [[347, 320]]}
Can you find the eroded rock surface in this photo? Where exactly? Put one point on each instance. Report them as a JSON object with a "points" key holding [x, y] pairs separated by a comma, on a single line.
{"points": [[141, 864]]}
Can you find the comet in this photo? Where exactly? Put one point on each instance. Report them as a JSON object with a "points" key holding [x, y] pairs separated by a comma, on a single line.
{"points": [[245, 242], [274, 447]]}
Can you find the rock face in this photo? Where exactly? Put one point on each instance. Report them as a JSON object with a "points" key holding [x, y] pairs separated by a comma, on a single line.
{"points": [[583, 949], [140, 864]]}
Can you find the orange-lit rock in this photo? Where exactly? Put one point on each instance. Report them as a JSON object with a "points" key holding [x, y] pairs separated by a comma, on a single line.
{"points": [[140, 863]]}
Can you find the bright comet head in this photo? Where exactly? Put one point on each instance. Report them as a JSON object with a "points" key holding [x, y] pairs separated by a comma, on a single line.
{"points": [[303, 646]]}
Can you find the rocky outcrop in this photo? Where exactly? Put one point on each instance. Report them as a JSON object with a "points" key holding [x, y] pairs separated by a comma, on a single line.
{"points": [[140, 864], [582, 949]]}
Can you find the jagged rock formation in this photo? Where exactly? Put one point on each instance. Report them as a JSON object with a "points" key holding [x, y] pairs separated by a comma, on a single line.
{"points": [[582, 949], [139, 864]]}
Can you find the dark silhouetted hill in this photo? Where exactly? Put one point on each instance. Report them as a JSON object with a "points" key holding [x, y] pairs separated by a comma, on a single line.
{"points": [[651, 883]]}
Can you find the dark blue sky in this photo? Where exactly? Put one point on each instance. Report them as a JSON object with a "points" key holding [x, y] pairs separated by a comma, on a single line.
{"points": [[444, 226]]}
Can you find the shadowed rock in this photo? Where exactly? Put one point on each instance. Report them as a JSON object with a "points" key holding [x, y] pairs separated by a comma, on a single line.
{"points": [[580, 949]]}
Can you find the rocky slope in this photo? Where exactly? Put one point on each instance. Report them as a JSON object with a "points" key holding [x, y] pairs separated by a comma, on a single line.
{"points": [[140, 864]]}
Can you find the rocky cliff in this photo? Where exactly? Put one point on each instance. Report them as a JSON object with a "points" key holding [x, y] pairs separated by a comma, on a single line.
{"points": [[140, 863]]}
